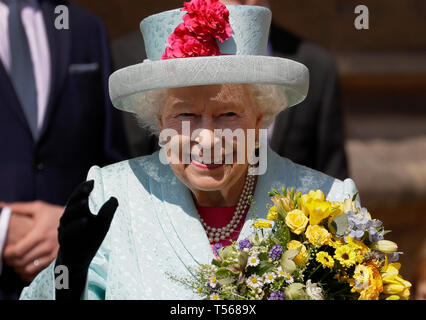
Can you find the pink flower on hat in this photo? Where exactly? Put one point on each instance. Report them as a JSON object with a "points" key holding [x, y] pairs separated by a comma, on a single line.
{"points": [[207, 18], [183, 43], [206, 21]]}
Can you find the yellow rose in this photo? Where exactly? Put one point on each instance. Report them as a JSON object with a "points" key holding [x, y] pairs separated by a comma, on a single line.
{"points": [[296, 221], [317, 210], [302, 257], [317, 235]]}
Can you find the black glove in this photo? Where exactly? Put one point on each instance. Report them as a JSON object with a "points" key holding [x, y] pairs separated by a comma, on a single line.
{"points": [[80, 235]]}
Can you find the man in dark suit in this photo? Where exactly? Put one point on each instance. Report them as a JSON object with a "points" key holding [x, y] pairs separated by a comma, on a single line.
{"points": [[310, 133], [56, 121]]}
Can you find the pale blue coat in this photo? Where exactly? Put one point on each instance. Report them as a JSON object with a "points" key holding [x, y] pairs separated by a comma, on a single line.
{"points": [[156, 228]]}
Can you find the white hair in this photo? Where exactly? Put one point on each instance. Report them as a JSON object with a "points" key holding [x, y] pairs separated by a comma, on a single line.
{"points": [[269, 100]]}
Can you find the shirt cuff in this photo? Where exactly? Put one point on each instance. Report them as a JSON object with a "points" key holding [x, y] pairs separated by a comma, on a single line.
{"points": [[4, 225]]}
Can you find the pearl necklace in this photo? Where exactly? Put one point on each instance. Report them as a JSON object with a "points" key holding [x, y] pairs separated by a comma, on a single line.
{"points": [[218, 234]]}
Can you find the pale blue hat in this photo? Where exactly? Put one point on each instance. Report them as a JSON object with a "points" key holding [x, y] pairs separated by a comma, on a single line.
{"points": [[244, 60]]}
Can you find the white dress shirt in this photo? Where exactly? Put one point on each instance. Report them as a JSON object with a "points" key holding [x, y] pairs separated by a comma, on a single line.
{"points": [[32, 19]]}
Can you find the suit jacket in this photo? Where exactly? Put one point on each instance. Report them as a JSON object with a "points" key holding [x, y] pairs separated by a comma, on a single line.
{"points": [[80, 129], [311, 133], [156, 229]]}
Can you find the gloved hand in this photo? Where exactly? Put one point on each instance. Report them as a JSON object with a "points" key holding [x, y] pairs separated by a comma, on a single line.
{"points": [[80, 235]]}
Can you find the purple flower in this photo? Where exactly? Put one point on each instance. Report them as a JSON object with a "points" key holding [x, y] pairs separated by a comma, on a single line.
{"points": [[275, 252], [276, 295], [245, 244], [217, 247], [394, 256], [360, 223]]}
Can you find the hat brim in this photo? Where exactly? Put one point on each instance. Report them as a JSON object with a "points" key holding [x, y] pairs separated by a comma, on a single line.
{"points": [[184, 72]]}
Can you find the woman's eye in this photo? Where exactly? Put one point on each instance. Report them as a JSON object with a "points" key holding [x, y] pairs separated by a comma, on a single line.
{"points": [[187, 115], [229, 114]]}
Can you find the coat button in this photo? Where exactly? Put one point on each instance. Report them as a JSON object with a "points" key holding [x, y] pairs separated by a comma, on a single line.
{"points": [[38, 166]]}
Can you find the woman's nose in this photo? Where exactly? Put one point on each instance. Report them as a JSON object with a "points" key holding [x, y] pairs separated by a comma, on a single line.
{"points": [[206, 138]]}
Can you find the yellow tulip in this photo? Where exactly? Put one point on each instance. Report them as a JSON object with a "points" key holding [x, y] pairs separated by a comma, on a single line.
{"points": [[317, 210], [385, 246], [282, 204], [316, 195], [312, 195], [349, 205], [393, 283]]}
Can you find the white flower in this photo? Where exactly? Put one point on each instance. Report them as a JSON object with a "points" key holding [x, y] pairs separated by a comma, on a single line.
{"points": [[253, 261], [280, 272], [213, 281], [289, 279], [214, 296], [254, 281], [283, 274], [314, 291], [269, 277]]}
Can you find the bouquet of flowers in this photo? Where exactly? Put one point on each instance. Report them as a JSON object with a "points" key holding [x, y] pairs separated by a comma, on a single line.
{"points": [[308, 248]]}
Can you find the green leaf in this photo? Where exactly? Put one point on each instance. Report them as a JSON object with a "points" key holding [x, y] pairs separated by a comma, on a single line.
{"points": [[226, 281], [265, 267], [263, 256], [340, 225], [223, 273], [242, 260], [354, 197], [291, 254], [387, 231], [288, 265], [226, 252], [216, 262], [282, 234]]}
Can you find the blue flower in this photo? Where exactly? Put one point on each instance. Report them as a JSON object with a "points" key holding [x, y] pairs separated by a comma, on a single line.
{"points": [[373, 234], [276, 295], [360, 223], [275, 252], [394, 256], [245, 244], [217, 247]]}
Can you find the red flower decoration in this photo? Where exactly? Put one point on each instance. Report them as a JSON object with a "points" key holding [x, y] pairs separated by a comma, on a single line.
{"points": [[183, 43], [207, 18], [206, 21]]}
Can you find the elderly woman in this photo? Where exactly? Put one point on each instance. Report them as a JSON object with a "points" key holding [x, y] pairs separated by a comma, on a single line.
{"points": [[163, 213]]}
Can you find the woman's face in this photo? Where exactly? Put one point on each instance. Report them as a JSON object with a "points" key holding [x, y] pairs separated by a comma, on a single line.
{"points": [[207, 108]]}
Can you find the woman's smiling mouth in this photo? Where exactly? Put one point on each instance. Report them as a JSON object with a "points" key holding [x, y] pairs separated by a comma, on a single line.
{"points": [[203, 166]]}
